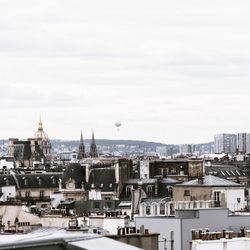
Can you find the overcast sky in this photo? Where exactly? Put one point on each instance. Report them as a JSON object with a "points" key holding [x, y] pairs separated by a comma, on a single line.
{"points": [[170, 71]]}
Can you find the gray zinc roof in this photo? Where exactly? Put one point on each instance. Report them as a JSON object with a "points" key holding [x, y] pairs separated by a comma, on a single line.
{"points": [[211, 180]]}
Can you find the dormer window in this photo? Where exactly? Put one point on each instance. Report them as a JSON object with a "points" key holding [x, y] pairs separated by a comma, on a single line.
{"points": [[149, 190], [53, 179], [7, 182], [25, 181], [39, 180], [128, 190]]}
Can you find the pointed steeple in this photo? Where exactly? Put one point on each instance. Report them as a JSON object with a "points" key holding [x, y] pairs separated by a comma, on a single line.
{"points": [[93, 148], [81, 150]]}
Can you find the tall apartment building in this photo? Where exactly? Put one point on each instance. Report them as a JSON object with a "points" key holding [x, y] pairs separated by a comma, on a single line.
{"points": [[186, 149], [247, 143], [225, 143], [241, 142]]}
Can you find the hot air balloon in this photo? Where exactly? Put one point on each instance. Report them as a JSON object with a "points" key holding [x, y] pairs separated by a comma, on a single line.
{"points": [[118, 124]]}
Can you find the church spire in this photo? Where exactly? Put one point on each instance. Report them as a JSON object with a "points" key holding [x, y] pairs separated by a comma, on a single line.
{"points": [[81, 150], [93, 148]]}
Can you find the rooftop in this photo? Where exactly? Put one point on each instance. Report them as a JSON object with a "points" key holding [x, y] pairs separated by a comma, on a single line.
{"points": [[54, 238], [211, 180]]}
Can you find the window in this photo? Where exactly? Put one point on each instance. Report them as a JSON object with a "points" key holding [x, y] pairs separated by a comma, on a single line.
{"points": [[217, 199], [7, 182], [41, 195], [108, 204], [128, 190], [97, 205], [237, 172], [222, 173], [170, 192], [53, 179], [186, 192], [160, 171], [148, 210], [149, 190], [162, 208], [27, 195]]}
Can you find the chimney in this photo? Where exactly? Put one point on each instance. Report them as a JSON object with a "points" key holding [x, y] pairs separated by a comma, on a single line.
{"points": [[201, 180]]}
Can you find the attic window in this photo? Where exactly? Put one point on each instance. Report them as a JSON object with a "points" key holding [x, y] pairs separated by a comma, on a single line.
{"points": [[149, 190], [53, 179], [186, 192], [222, 173], [237, 172], [39, 181], [25, 180], [7, 182]]}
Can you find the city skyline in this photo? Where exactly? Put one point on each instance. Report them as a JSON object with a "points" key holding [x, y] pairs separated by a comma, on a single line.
{"points": [[171, 72]]}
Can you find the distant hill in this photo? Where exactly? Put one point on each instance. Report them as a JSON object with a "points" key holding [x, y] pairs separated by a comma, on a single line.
{"points": [[148, 145], [107, 142]]}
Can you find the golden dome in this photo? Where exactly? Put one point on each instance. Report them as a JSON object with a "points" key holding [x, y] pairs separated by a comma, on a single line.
{"points": [[40, 134]]}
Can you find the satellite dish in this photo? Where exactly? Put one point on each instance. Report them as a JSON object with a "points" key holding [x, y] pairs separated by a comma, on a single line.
{"points": [[118, 124]]}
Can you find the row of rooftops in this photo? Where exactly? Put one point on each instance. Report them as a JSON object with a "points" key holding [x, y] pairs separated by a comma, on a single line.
{"points": [[104, 178], [46, 180]]}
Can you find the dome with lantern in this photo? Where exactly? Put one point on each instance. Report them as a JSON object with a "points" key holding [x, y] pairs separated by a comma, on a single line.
{"points": [[40, 134], [43, 140]]}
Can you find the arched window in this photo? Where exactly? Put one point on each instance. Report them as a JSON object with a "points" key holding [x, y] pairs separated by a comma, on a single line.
{"points": [[149, 190], [162, 208]]}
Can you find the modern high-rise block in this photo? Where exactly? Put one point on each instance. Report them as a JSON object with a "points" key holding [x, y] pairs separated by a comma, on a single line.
{"points": [[247, 143], [241, 142], [225, 143]]}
